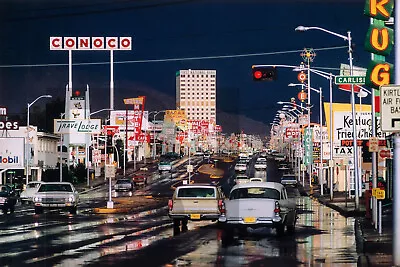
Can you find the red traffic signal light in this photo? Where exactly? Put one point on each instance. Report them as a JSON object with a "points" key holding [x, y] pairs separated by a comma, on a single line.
{"points": [[264, 73]]}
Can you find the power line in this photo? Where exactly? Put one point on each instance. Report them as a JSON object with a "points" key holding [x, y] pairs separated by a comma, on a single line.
{"points": [[93, 12], [170, 59]]}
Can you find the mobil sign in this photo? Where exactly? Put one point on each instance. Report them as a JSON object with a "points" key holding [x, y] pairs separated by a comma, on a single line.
{"points": [[292, 133], [12, 152]]}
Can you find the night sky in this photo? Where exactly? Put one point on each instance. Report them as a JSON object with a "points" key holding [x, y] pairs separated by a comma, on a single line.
{"points": [[176, 30]]}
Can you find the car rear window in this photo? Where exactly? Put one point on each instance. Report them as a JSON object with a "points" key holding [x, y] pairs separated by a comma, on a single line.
{"points": [[123, 182], [196, 192], [255, 192], [55, 188], [33, 185], [288, 178]]}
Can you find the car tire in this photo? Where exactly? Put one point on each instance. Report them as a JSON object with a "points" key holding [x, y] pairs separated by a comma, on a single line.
{"points": [[227, 235], [73, 210], [176, 226], [184, 225], [280, 230], [291, 229], [38, 210]]}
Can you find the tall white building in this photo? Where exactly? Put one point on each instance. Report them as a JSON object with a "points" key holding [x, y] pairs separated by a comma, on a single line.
{"points": [[196, 93]]}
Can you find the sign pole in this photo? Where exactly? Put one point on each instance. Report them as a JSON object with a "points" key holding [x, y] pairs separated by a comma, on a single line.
{"points": [[396, 152]]}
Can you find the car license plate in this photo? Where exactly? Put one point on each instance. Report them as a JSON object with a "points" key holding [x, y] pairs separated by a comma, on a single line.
{"points": [[195, 216], [249, 219]]}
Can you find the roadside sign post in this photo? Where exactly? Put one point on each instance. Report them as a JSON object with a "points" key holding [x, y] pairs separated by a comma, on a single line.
{"points": [[110, 173], [390, 122], [380, 195]]}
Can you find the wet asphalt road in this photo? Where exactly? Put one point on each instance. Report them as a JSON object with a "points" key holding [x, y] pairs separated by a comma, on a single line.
{"points": [[322, 238]]}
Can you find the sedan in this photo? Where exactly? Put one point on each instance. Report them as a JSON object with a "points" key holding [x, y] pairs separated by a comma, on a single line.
{"points": [[30, 190], [123, 185], [56, 195]]}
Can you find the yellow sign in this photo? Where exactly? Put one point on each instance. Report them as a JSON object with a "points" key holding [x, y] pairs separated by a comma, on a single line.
{"points": [[134, 101], [177, 116], [374, 191], [380, 194]]}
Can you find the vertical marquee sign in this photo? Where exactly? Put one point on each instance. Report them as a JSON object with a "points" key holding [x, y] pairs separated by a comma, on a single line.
{"points": [[379, 41]]}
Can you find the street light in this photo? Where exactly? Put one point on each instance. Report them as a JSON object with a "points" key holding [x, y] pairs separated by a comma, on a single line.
{"points": [[27, 135], [353, 110], [61, 149], [328, 76]]}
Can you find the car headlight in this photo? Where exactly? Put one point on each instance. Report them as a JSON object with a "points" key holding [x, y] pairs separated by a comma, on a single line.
{"points": [[37, 199], [71, 199]]}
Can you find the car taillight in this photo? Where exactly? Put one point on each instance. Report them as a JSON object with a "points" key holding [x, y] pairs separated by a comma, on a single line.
{"points": [[170, 204], [277, 207], [221, 206]]}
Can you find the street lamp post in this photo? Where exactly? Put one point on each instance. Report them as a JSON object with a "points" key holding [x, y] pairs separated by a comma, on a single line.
{"points": [[353, 110], [61, 149], [27, 135]]}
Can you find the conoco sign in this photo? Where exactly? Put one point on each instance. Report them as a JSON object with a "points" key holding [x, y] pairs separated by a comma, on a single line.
{"points": [[90, 43]]}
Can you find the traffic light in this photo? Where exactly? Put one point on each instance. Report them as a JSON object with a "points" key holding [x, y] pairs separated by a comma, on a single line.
{"points": [[264, 73]]}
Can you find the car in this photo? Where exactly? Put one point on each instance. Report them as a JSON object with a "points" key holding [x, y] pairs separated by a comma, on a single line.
{"points": [[171, 156], [196, 202], [206, 155], [8, 199], [261, 164], [255, 205], [256, 179], [164, 166], [139, 179], [289, 179], [240, 167], [199, 153], [56, 195], [123, 185], [30, 190], [241, 178]]}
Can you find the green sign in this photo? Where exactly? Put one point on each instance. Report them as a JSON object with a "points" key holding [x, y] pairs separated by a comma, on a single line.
{"points": [[308, 146], [349, 80]]}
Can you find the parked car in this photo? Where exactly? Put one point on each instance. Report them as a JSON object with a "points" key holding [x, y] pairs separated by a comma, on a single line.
{"points": [[195, 202], [56, 195], [8, 198], [30, 190], [123, 185], [258, 204], [289, 179]]}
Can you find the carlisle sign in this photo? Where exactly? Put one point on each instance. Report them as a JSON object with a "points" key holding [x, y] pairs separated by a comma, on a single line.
{"points": [[90, 43]]}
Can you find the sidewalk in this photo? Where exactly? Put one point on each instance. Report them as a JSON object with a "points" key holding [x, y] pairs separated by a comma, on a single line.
{"points": [[375, 249]]}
